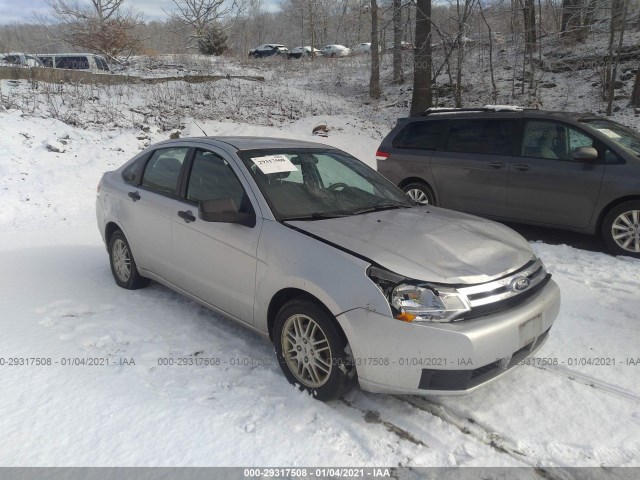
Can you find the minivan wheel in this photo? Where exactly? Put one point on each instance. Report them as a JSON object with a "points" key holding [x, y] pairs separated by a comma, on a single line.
{"points": [[311, 351], [123, 265], [419, 193], [621, 229]]}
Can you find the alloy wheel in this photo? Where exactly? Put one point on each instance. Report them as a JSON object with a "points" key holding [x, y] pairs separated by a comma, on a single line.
{"points": [[418, 196], [625, 231], [306, 350], [121, 260]]}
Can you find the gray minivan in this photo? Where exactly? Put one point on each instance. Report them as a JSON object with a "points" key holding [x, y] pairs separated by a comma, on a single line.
{"points": [[571, 171]]}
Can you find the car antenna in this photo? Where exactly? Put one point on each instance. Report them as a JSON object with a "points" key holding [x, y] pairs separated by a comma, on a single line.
{"points": [[205, 133]]}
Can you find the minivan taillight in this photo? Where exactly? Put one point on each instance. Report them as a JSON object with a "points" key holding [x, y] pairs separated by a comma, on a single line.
{"points": [[381, 155]]}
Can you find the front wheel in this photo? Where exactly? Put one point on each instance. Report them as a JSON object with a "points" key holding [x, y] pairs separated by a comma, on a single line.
{"points": [[419, 193], [123, 265], [311, 350], [621, 229]]}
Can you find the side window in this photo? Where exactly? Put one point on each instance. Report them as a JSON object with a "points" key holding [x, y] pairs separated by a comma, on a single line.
{"points": [[74, 63], [420, 135], [489, 137], [47, 61], [552, 140], [212, 178], [163, 169]]}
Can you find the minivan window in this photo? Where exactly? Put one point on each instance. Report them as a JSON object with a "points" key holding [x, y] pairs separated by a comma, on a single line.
{"points": [[420, 135], [163, 170], [489, 137], [47, 61], [73, 63], [552, 140], [102, 64]]}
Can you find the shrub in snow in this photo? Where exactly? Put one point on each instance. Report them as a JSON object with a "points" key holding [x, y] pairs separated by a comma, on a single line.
{"points": [[214, 41]]}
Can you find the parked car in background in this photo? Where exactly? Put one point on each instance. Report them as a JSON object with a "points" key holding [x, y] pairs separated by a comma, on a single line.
{"points": [[334, 51], [302, 52], [268, 50], [571, 171], [75, 61], [404, 45], [362, 48], [316, 251], [19, 59]]}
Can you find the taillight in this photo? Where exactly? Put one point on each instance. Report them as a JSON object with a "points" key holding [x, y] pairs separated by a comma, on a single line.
{"points": [[381, 155], [99, 184]]}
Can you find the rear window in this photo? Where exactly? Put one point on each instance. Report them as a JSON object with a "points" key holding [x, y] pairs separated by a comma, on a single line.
{"points": [[489, 137], [73, 63], [420, 135]]}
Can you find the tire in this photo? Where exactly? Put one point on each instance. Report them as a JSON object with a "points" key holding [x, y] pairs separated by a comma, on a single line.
{"points": [[330, 371], [123, 265], [420, 193], [621, 229]]}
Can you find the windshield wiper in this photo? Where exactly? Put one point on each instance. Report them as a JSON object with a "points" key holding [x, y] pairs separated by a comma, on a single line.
{"points": [[320, 215], [381, 206]]}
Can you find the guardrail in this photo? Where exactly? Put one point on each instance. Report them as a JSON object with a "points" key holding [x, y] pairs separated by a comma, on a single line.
{"points": [[58, 75]]}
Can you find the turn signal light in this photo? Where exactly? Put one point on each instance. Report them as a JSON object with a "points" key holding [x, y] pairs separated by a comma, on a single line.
{"points": [[405, 317]]}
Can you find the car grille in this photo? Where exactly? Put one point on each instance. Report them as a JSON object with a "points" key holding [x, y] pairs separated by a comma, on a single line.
{"points": [[505, 293]]}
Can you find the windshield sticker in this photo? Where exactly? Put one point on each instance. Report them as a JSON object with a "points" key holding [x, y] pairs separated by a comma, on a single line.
{"points": [[274, 164], [609, 133]]}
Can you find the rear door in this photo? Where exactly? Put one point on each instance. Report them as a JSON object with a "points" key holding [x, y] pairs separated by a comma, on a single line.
{"points": [[470, 170], [216, 261], [545, 184]]}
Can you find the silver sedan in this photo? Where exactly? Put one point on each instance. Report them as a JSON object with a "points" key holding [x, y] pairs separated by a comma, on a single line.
{"points": [[350, 280]]}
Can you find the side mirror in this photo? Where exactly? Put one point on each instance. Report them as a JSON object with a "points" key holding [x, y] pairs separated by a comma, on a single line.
{"points": [[585, 154], [224, 210]]}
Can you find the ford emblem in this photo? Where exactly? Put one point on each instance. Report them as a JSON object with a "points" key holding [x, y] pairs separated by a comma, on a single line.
{"points": [[519, 284]]}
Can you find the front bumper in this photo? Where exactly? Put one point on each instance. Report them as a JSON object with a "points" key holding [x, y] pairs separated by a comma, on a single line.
{"points": [[446, 358]]}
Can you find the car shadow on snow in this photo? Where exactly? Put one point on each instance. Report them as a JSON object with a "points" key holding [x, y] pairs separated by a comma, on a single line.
{"points": [[552, 236]]}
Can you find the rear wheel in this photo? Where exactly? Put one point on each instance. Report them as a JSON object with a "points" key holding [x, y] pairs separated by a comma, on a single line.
{"points": [[123, 265], [621, 229], [311, 350], [420, 193]]}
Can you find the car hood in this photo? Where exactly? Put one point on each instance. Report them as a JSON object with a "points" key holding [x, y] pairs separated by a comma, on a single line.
{"points": [[427, 243]]}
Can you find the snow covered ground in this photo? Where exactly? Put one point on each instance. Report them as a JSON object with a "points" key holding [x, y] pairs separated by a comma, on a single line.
{"points": [[59, 302]]}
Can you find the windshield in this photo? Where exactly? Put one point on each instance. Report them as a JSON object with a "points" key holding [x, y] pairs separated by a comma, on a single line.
{"points": [[314, 184], [620, 134]]}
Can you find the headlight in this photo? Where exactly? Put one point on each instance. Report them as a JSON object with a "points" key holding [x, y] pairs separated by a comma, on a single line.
{"points": [[426, 303], [419, 302]]}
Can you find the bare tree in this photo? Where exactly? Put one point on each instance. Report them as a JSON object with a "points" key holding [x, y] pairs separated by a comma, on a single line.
{"points": [[374, 81], [397, 42], [103, 26], [421, 96], [200, 14], [618, 20]]}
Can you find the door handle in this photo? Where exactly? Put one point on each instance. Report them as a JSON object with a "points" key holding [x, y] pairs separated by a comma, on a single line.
{"points": [[135, 196], [187, 216], [522, 167], [496, 164]]}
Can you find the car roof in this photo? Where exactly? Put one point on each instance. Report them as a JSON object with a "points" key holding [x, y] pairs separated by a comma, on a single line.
{"points": [[253, 143], [497, 112]]}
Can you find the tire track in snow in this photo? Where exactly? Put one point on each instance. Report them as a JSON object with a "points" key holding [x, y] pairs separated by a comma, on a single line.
{"points": [[590, 382], [480, 433]]}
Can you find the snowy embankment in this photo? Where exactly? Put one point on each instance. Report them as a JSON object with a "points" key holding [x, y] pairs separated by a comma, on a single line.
{"points": [[59, 302]]}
